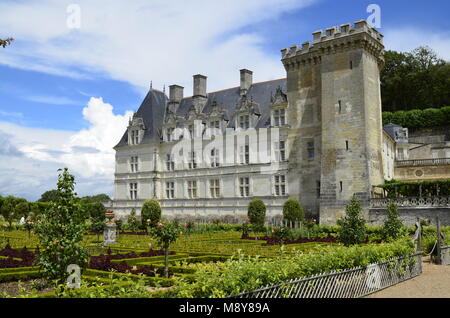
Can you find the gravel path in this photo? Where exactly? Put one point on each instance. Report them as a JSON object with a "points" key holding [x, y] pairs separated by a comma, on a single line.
{"points": [[433, 283]]}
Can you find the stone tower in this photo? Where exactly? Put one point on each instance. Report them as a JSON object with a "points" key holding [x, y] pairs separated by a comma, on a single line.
{"points": [[334, 114]]}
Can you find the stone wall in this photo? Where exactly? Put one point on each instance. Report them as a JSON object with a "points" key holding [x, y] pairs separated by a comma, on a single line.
{"points": [[422, 173], [410, 215]]}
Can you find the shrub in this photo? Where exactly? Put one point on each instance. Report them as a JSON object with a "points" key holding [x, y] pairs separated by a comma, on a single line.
{"points": [[353, 229], [416, 119], [133, 223], [293, 211], [150, 213], [60, 231], [244, 273], [393, 226], [257, 213], [282, 234]]}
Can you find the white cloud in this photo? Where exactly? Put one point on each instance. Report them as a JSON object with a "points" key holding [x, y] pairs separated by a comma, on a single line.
{"points": [[407, 39], [139, 41], [38, 153]]}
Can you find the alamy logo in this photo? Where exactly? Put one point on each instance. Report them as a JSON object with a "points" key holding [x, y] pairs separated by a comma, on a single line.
{"points": [[375, 17], [74, 279], [373, 273], [74, 16]]}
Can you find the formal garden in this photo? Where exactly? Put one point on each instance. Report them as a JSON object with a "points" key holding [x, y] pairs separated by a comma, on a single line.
{"points": [[58, 251]]}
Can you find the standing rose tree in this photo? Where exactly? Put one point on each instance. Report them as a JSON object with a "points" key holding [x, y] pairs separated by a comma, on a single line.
{"points": [[165, 234], [60, 231]]}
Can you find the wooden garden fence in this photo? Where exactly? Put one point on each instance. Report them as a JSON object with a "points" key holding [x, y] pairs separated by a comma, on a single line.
{"points": [[350, 283]]}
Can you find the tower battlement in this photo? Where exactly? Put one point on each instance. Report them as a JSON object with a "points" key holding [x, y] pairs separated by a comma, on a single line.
{"points": [[335, 38]]}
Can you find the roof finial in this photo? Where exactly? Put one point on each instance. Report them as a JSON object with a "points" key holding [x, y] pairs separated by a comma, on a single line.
{"points": [[151, 85], [164, 89]]}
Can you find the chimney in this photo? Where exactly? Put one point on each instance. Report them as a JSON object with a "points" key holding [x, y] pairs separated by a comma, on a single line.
{"points": [[246, 81], [176, 93], [200, 85]]}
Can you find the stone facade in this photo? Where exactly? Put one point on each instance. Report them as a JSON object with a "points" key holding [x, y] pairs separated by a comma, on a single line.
{"points": [[316, 136]]}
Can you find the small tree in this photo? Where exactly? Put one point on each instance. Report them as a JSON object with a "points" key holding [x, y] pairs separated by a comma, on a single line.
{"points": [[165, 234], [7, 210], [132, 221], [60, 231], [352, 227], [150, 213], [393, 226], [257, 214], [293, 211]]}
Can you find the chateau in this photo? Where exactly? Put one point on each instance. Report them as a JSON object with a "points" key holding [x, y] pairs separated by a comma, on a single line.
{"points": [[315, 136]]}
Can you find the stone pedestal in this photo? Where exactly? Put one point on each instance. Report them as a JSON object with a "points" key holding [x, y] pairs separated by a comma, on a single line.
{"points": [[109, 234]]}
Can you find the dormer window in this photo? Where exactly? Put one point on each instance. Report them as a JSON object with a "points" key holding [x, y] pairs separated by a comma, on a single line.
{"points": [[136, 129], [135, 137], [279, 117], [244, 121]]}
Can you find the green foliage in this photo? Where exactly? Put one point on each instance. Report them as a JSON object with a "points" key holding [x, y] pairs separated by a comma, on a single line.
{"points": [[393, 226], [22, 209], [293, 211], [353, 229], [412, 189], [150, 213], [96, 211], [257, 213], [99, 198], [60, 232], [283, 234], [132, 221], [11, 209], [414, 80], [218, 280], [38, 208], [49, 196], [419, 119]]}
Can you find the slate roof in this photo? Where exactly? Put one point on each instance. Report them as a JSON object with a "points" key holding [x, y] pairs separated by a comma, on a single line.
{"points": [[152, 112], [390, 129], [152, 109]]}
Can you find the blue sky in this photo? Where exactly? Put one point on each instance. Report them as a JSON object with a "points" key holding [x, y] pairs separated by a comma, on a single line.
{"points": [[65, 90]]}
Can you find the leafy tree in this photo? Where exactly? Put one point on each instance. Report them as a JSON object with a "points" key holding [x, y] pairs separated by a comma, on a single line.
{"points": [[414, 80], [95, 198], [352, 227], [7, 210], [257, 215], [60, 232], [293, 211], [150, 213], [6, 42], [165, 234], [49, 196], [22, 209], [393, 227]]}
